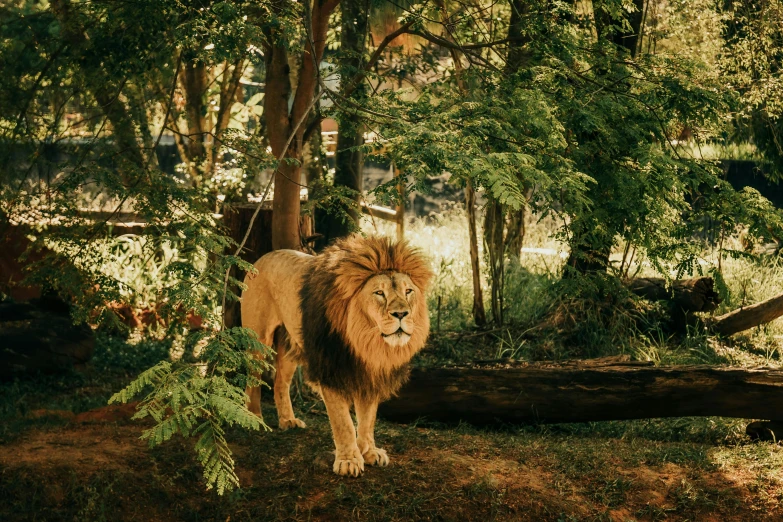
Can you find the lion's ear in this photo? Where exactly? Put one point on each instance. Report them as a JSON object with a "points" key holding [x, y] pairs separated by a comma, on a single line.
{"points": [[415, 264]]}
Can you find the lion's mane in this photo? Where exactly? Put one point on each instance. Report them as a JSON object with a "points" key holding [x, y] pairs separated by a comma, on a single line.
{"points": [[353, 359]]}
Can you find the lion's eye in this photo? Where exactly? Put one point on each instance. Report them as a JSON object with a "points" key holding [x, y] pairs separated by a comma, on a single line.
{"points": [[379, 292], [408, 291]]}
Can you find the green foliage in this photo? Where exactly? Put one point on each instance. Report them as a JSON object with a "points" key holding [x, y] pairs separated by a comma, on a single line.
{"points": [[202, 399], [128, 356], [503, 141], [585, 125], [336, 200], [588, 128], [753, 59]]}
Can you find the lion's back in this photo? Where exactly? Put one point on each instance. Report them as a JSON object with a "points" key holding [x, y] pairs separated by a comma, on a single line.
{"points": [[272, 295]]}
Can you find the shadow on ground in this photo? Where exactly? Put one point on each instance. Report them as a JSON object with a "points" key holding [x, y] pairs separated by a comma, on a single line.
{"points": [[60, 466]]}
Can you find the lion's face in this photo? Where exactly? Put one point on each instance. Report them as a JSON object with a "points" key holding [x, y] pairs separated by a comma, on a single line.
{"points": [[389, 303], [375, 295]]}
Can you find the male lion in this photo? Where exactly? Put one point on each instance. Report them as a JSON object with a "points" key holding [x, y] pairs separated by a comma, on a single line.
{"points": [[353, 317]]}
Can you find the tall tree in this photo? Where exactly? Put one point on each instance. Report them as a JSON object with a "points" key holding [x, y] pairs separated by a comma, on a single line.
{"points": [[286, 126], [591, 243], [349, 158], [504, 226]]}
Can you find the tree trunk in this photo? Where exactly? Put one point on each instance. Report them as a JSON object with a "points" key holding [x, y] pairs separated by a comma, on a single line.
{"points": [[283, 124], [479, 315], [193, 82], [586, 258], [285, 206], [495, 240], [494, 221], [590, 249], [585, 391], [518, 55], [349, 162], [628, 40], [515, 234]]}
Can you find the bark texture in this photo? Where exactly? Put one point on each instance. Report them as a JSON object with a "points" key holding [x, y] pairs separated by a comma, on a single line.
{"points": [[283, 123], [585, 392], [698, 295], [479, 315], [747, 317], [685, 297], [494, 221]]}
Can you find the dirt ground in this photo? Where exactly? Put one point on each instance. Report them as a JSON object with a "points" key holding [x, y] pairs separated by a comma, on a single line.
{"points": [[92, 466]]}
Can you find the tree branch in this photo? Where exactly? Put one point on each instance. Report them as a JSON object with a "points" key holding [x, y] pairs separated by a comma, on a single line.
{"points": [[351, 86]]}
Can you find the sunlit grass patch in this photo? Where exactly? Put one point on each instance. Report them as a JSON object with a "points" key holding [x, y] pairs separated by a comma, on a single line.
{"points": [[444, 238], [584, 325]]}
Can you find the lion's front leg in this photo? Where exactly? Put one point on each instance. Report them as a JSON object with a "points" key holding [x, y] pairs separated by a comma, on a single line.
{"points": [[365, 416], [348, 459]]}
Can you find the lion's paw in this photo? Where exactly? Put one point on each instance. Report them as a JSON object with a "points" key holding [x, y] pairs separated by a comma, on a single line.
{"points": [[350, 463], [286, 424], [376, 457]]}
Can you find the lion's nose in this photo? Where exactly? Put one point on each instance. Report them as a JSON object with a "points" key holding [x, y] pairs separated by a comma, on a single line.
{"points": [[399, 315]]}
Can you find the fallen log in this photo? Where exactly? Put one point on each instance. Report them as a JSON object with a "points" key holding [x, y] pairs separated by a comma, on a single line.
{"points": [[688, 295], [584, 392], [748, 317], [684, 297]]}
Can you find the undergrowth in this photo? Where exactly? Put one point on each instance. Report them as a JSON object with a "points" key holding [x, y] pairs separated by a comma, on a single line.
{"points": [[553, 318], [115, 362]]}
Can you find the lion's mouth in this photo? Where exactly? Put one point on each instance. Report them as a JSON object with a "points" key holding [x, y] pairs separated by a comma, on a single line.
{"points": [[399, 333]]}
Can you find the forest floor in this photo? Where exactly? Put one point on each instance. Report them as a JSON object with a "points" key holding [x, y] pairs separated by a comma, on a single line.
{"points": [[64, 455]]}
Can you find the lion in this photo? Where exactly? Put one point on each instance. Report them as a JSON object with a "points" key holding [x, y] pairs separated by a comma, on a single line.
{"points": [[352, 317]]}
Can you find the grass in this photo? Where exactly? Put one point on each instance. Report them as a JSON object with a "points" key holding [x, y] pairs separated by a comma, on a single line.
{"points": [[52, 468], [677, 469], [552, 319], [114, 363]]}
